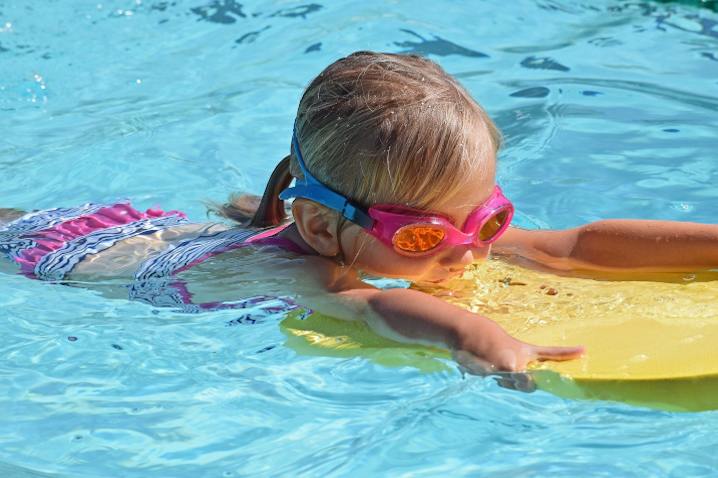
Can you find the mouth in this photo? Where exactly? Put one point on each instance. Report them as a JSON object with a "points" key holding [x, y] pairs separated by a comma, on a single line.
{"points": [[437, 281], [454, 273], [448, 275]]}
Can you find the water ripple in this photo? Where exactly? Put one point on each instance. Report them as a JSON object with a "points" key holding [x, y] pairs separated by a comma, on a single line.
{"points": [[172, 102]]}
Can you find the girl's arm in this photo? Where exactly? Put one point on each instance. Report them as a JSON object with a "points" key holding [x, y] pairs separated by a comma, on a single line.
{"points": [[403, 315], [615, 245], [476, 342], [411, 316]]}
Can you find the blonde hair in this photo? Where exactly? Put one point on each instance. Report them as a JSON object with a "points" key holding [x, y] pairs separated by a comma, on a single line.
{"points": [[383, 128]]}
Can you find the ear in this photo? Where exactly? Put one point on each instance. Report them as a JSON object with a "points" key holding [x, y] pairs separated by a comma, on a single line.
{"points": [[317, 225]]}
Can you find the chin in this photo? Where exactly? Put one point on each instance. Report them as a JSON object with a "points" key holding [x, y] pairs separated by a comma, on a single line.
{"points": [[433, 282]]}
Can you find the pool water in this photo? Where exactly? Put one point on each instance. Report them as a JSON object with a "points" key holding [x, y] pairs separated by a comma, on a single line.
{"points": [[610, 109]]}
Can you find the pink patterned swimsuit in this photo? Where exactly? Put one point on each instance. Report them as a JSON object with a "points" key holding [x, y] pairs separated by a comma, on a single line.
{"points": [[48, 244]]}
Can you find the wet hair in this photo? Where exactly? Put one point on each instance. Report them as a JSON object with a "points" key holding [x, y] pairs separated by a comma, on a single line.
{"points": [[381, 128]]}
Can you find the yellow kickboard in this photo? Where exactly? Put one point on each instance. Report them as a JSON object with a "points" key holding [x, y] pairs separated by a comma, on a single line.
{"points": [[651, 342]]}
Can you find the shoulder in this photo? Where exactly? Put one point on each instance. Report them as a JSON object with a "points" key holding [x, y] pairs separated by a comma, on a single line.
{"points": [[267, 271]]}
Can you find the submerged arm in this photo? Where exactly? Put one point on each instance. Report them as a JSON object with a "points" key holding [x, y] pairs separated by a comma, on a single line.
{"points": [[404, 315], [617, 244], [411, 316], [476, 342]]}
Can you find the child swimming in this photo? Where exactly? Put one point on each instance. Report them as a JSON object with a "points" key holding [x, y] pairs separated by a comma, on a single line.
{"points": [[394, 168]]}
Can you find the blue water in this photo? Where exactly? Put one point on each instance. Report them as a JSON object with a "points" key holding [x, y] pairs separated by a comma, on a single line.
{"points": [[609, 109]]}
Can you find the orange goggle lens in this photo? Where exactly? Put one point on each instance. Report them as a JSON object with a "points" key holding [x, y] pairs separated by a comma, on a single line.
{"points": [[420, 238], [417, 238], [493, 225]]}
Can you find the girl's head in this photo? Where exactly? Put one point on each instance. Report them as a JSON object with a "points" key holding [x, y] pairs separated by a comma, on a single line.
{"points": [[388, 128]]}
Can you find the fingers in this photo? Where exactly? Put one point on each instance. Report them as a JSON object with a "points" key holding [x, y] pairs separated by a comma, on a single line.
{"points": [[522, 382], [558, 353], [513, 360], [472, 364]]}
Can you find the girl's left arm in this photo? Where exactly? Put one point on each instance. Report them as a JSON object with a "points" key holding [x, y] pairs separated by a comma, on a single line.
{"points": [[616, 244]]}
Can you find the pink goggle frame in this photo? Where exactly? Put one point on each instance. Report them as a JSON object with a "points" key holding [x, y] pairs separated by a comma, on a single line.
{"points": [[414, 232]]}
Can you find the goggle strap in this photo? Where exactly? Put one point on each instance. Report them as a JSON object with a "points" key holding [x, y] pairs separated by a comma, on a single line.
{"points": [[330, 199], [313, 189], [357, 216], [308, 177]]}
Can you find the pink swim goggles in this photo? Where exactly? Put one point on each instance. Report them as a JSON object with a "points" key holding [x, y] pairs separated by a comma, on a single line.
{"points": [[411, 232]]}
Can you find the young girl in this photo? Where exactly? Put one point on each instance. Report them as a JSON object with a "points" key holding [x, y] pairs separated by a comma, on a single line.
{"points": [[394, 167]]}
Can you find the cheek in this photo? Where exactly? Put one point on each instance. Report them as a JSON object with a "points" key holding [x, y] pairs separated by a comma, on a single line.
{"points": [[367, 253], [371, 255], [356, 244]]}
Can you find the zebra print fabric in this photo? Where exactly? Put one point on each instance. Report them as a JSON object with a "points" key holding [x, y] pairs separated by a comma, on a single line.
{"points": [[57, 264], [47, 247], [48, 244], [12, 241], [154, 281]]}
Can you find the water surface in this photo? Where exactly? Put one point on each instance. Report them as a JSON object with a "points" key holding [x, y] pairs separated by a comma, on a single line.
{"points": [[608, 108]]}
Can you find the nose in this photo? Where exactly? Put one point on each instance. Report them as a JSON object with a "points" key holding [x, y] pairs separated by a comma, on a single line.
{"points": [[460, 257]]}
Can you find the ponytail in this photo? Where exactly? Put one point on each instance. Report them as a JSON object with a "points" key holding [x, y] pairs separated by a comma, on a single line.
{"points": [[252, 211]]}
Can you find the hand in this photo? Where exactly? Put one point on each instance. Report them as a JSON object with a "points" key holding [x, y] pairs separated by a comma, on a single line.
{"points": [[484, 348]]}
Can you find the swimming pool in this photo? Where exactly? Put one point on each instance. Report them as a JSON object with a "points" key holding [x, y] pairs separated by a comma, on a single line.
{"points": [[609, 109]]}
